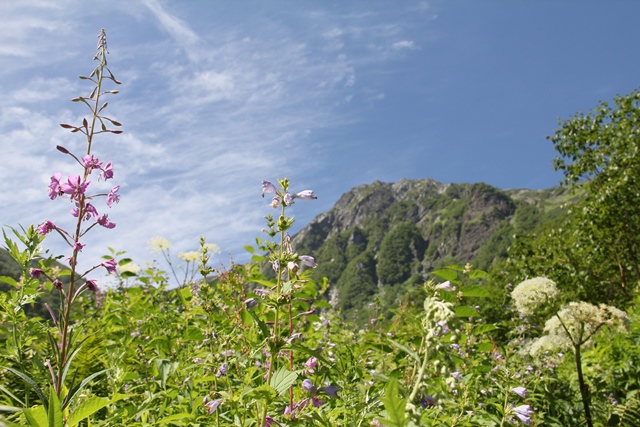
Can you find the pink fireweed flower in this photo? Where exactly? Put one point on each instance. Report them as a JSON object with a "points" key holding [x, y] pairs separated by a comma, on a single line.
{"points": [[89, 210], [104, 221], [107, 172], [74, 187], [310, 365], [110, 265], [308, 260], [306, 195], [36, 272], [268, 187], [317, 402], [45, 228], [112, 196], [92, 285], [54, 187], [91, 162], [269, 422], [77, 246]]}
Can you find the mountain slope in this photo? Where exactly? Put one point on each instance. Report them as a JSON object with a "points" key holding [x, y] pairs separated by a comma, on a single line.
{"points": [[387, 234]]}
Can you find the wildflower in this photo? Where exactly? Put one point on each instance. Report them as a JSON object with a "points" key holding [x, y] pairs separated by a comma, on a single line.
{"points": [[159, 244], [275, 202], [36, 272], [112, 196], [317, 402], [276, 266], [288, 199], [520, 391], [92, 285], [310, 365], [269, 422], [211, 405], [331, 391], [306, 195], [104, 221], [91, 162], [523, 412], [533, 293], [261, 292], [227, 353], [77, 246], [198, 360], [268, 187], [250, 303], [222, 370], [107, 171], [428, 400], [110, 265], [45, 228], [457, 375], [74, 187], [446, 286], [54, 187], [307, 385], [190, 256], [57, 284], [308, 261]]}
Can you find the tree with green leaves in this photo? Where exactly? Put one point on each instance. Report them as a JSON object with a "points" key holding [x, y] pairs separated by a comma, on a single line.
{"points": [[595, 253]]}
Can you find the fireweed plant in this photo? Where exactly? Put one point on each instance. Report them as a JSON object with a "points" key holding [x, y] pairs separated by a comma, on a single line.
{"points": [[85, 209]]}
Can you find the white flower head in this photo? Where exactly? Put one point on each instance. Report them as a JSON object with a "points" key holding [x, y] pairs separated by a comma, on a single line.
{"points": [[159, 244], [532, 293]]}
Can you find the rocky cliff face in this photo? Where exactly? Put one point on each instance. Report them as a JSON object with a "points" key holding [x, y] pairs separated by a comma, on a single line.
{"points": [[384, 234]]}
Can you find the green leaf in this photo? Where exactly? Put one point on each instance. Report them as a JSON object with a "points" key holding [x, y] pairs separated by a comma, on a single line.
{"points": [[249, 249], [31, 383], [264, 330], [447, 274], [466, 311], [173, 418], [86, 408], [282, 379], [446, 296], [475, 291], [9, 280], [394, 405], [80, 386], [481, 329], [54, 414], [406, 349], [36, 417], [478, 274]]}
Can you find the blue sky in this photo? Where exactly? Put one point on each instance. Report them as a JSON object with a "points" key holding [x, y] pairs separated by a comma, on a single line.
{"points": [[219, 95]]}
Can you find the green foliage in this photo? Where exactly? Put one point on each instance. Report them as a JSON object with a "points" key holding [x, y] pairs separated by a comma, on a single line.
{"points": [[398, 250]]}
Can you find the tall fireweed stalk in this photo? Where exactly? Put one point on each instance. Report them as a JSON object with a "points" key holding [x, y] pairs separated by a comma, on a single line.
{"points": [[87, 213]]}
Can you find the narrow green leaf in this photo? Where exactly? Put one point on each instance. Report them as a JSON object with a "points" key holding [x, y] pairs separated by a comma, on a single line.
{"points": [[282, 379], [86, 409], [54, 414], [406, 349], [31, 383], [9, 280], [264, 330], [173, 418], [80, 386]]}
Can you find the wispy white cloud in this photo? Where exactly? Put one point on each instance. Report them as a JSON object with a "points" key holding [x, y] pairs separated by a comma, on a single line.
{"points": [[207, 115]]}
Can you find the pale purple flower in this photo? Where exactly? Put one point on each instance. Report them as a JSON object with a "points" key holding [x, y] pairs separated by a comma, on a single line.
{"points": [[54, 187], [276, 266], [250, 303], [306, 195], [523, 412], [520, 391], [110, 265], [211, 405], [268, 187], [307, 385], [308, 260], [288, 199], [104, 221], [446, 286], [457, 375], [311, 364], [74, 187], [112, 196], [198, 360], [331, 391], [222, 370], [275, 202]]}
